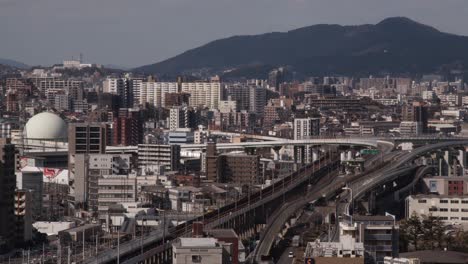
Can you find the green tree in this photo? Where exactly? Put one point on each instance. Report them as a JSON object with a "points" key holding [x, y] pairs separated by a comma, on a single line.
{"points": [[411, 231]]}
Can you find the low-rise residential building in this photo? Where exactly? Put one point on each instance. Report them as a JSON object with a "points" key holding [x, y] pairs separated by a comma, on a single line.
{"points": [[201, 250], [379, 234]]}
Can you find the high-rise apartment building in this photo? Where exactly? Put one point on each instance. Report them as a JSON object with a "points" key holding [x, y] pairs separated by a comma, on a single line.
{"points": [[154, 155], [154, 93], [7, 193], [181, 117], [127, 128], [87, 138], [23, 216], [240, 93], [83, 139], [211, 162], [257, 99], [249, 97], [304, 128], [128, 89], [206, 94], [239, 168]]}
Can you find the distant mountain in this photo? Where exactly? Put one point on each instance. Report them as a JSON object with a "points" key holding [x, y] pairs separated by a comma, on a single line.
{"points": [[13, 63], [395, 45]]}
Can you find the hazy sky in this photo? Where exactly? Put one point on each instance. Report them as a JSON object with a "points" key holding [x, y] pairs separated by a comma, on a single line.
{"points": [[138, 32]]}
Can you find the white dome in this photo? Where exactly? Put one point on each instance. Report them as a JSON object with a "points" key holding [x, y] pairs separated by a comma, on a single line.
{"points": [[46, 126]]}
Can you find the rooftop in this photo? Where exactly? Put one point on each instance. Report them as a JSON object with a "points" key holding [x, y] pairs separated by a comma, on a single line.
{"points": [[198, 242]]}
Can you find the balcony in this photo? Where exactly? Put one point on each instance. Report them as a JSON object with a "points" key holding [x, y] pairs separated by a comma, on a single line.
{"points": [[378, 237], [379, 248]]}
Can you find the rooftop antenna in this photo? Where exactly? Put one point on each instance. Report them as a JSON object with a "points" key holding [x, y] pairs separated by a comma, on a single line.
{"points": [[81, 57]]}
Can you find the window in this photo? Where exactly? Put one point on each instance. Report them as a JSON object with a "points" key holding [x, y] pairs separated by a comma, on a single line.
{"points": [[422, 201], [433, 186], [453, 218], [465, 210], [443, 210], [464, 218], [454, 201], [196, 258], [454, 210], [465, 201], [443, 201]]}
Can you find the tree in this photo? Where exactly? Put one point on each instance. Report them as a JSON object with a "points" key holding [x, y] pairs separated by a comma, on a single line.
{"points": [[411, 231], [428, 229]]}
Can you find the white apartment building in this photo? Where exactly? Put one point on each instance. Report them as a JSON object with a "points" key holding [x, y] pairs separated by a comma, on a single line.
{"points": [[304, 128], [450, 209], [154, 93], [178, 118], [154, 154], [114, 85], [207, 94]]}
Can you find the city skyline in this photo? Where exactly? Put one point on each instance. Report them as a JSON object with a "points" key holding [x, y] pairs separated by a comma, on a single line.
{"points": [[51, 31]]}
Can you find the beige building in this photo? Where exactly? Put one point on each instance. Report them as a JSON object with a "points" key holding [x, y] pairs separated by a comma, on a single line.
{"points": [[201, 250], [449, 208]]}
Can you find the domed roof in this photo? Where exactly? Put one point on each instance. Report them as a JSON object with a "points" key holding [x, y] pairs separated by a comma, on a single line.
{"points": [[46, 126]]}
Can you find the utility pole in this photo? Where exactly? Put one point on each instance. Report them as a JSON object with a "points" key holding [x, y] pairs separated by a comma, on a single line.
{"points": [[84, 245]]}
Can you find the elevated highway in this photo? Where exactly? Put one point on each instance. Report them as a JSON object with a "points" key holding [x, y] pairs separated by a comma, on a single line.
{"points": [[391, 166]]}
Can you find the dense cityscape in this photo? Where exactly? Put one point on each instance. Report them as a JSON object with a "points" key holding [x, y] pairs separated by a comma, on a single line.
{"points": [[218, 164]]}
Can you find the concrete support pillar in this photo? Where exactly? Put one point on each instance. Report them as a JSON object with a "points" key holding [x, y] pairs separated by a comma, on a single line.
{"points": [[276, 153], [315, 154]]}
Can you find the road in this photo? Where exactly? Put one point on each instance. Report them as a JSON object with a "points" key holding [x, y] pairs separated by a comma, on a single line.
{"points": [[285, 259]]}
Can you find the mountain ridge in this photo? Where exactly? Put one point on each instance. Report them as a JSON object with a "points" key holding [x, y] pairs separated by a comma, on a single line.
{"points": [[395, 44], [13, 63]]}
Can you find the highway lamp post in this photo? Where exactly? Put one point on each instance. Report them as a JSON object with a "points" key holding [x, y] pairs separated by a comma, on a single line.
{"points": [[84, 246], [69, 255]]}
